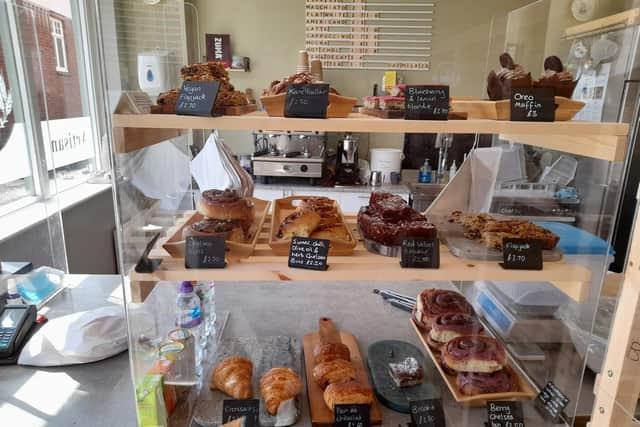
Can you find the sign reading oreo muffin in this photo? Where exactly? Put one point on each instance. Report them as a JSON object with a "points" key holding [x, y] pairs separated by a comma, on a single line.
{"points": [[533, 105], [426, 102], [307, 101]]}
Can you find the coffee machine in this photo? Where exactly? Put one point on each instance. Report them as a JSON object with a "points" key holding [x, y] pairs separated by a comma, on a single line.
{"points": [[347, 161]]}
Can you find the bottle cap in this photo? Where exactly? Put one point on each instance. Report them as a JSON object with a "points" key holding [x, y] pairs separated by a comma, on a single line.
{"points": [[186, 287]]}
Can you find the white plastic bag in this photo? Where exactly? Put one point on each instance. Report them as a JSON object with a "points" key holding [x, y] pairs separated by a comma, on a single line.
{"points": [[83, 337]]}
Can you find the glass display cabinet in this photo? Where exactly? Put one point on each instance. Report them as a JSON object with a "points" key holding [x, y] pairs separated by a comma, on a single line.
{"points": [[497, 307]]}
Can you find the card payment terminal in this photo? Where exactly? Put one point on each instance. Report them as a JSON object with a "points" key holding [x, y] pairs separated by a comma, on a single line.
{"points": [[15, 323]]}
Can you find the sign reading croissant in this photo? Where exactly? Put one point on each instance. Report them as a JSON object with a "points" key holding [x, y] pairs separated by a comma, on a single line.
{"points": [[366, 34]]}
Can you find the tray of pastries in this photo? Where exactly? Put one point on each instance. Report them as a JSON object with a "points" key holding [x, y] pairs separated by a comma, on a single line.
{"points": [[474, 365], [222, 213], [335, 374], [268, 369], [479, 236], [387, 220], [273, 98], [306, 216]]}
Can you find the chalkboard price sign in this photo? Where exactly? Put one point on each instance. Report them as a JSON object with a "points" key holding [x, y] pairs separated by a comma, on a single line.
{"points": [[505, 414], [234, 409], [352, 416], [204, 252], [533, 105], [308, 253], [521, 254], [197, 98], [427, 413], [551, 401], [420, 253], [426, 102], [307, 101]]}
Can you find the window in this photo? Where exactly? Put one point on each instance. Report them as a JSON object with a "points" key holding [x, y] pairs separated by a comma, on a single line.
{"points": [[57, 31]]}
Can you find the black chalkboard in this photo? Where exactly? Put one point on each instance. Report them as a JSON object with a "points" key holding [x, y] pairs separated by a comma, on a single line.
{"points": [[197, 98], [234, 409], [533, 105], [521, 254], [307, 101], [308, 253], [420, 253], [426, 102], [505, 414], [204, 252], [551, 401], [427, 413], [352, 415]]}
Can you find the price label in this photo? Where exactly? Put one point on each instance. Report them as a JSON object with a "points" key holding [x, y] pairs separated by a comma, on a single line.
{"points": [[308, 253], [204, 252], [420, 253], [234, 409], [551, 401], [521, 254], [352, 416], [533, 105], [426, 102], [427, 413], [505, 414], [307, 101], [197, 98]]}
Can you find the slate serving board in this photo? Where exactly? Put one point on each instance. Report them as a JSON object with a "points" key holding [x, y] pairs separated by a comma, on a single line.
{"points": [[379, 355], [265, 353]]}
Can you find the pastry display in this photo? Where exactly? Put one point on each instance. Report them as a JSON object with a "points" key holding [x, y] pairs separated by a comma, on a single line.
{"points": [[226, 215], [279, 385], [388, 219], [280, 86], [432, 303], [316, 217], [474, 353], [556, 78], [233, 377], [511, 75], [208, 71], [230, 230], [492, 231], [352, 392], [330, 351], [334, 371], [450, 325], [406, 373], [472, 383]]}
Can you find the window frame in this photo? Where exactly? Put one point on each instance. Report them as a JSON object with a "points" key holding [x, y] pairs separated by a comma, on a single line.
{"points": [[60, 50]]}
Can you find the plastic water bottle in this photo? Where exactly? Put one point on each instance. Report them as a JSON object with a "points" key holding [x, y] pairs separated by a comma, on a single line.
{"points": [[188, 316], [212, 308], [204, 292], [424, 176], [13, 296]]}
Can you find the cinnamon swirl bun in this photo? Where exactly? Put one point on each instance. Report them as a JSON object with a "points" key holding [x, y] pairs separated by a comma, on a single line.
{"points": [[474, 353]]}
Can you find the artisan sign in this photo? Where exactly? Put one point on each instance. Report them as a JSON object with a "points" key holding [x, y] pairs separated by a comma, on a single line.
{"points": [[204, 252], [533, 105], [307, 101], [521, 254], [197, 98], [308, 253], [426, 102]]}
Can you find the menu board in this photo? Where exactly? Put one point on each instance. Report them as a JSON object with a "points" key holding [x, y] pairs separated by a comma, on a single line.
{"points": [[360, 34], [551, 401], [197, 98], [426, 102], [307, 101], [205, 252], [234, 409], [533, 105], [356, 415], [307, 253]]}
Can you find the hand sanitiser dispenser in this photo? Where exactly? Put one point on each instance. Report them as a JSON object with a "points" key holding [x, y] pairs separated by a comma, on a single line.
{"points": [[153, 72]]}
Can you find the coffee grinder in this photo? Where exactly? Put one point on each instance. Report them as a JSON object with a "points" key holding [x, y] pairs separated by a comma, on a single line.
{"points": [[347, 161]]}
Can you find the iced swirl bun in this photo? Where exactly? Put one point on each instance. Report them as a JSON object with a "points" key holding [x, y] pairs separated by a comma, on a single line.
{"points": [[472, 383], [474, 353], [226, 205], [434, 302], [448, 326]]}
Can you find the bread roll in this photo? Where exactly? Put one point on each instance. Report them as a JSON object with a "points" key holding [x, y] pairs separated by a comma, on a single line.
{"points": [[226, 205], [474, 353], [352, 392], [233, 377], [448, 326], [279, 385], [334, 371], [433, 302], [330, 351], [229, 230], [300, 223]]}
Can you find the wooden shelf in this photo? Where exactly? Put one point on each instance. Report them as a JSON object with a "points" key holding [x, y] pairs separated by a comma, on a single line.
{"points": [[605, 141], [573, 280], [608, 23]]}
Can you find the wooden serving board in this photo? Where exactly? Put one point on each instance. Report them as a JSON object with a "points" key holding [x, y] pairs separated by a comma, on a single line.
{"points": [[175, 244], [525, 391], [501, 110], [238, 110], [399, 114], [321, 415], [339, 106], [283, 207]]}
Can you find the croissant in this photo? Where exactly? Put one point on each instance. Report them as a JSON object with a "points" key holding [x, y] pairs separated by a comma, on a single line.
{"points": [[330, 351], [277, 386], [352, 392], [233, 376], [334, 371]]}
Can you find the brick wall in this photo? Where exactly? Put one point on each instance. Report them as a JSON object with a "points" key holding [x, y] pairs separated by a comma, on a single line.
{"points": [[59, 92]]}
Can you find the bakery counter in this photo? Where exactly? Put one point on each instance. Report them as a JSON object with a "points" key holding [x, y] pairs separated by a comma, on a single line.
{"points": [[293, 309]]}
